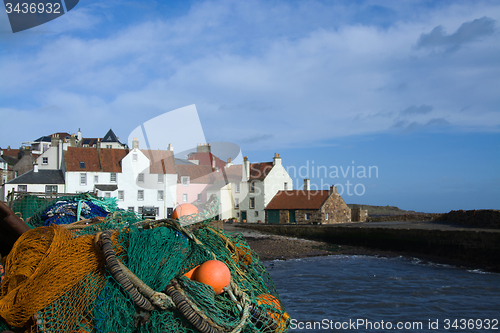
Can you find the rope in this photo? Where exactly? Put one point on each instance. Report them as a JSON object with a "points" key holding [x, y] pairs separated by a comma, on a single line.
{"points": [[190, 311], [114, 268]]}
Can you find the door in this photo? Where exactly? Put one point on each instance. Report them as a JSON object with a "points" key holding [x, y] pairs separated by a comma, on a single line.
{"points": [[291, 216], [243, 215], [273, 216]]}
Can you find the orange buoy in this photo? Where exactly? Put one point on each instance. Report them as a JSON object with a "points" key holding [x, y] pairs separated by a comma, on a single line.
{"points": [[214, 273], [189, 274], [184, 209]]}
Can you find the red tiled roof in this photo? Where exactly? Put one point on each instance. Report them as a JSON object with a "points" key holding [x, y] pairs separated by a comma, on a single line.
{"points": [[10, 152], [162, 161], [61, 135], [207, 158], [198, 174], [259, 171], [233, 173], [298, 199], [111, 159], [103, 160]]}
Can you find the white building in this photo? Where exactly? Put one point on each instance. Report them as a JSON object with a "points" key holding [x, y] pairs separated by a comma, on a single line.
{"points": [[245, 190], [148, 179], [37, 181]]}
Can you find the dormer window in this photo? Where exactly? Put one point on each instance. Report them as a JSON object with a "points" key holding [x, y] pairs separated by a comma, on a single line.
{"points": [[82, 165], [185, 181]]}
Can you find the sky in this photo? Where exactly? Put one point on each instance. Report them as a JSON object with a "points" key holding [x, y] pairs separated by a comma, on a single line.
{"points": [[409, 90]]}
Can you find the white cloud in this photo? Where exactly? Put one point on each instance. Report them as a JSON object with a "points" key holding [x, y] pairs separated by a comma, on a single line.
{"points": [[274, 74]]}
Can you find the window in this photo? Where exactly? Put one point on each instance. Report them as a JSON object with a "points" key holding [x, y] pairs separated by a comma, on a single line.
{"points": [[45, 160], [16, 174], [326, 216], [109, 146], [140, 195], [237, 188], [107, 194], [4, 178], [22, 188], [252, 203], [185, 197], [185, 181], [160, 195], [50, 188], [157, 211], [131, 209], [96, 179], [83, 179], [238, 215], [139, 210], [121, 195], [198, 197], [82, 165], [140, 178], [134, 157], [285, 186], [236, 203], [112, 177], [256, 213], [252, 187], [308, 216], [160, 178]]}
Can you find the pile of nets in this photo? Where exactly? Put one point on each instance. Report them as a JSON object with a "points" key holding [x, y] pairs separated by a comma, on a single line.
{"points": [[127, 275], [70, 209]]}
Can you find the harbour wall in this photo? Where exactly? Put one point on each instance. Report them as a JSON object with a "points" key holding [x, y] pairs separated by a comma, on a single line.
{"points": [[468, 247]]}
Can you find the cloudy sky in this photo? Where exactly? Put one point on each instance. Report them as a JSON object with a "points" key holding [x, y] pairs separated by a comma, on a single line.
{"points": [[409, 88]]}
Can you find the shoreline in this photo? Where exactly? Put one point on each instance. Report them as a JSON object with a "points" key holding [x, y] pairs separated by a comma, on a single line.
{"points": [[271, 247]]}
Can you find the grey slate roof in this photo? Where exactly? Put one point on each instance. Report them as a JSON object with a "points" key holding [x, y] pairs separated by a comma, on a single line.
{"points": [[107, 188], [40, 177], [110, 137]]}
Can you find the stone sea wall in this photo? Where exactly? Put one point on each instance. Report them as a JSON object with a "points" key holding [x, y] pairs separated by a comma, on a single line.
{"points": [[475, 248]]}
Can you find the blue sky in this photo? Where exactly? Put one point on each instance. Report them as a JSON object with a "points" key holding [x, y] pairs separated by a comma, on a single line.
{"points": [[409, 87]]}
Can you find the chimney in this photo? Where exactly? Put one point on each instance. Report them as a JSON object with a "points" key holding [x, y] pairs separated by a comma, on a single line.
{"points": [[246, 169], [170, 147], [307, 184], [203, 148], [277, 159], [60, 148], [333, 189], [135, 144], [98, 144], [35, 167], [54, 140], [229, 163], [72, 141], [79, 135]]}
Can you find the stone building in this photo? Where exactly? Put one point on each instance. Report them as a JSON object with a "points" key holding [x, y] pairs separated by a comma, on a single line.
{"points": [[359, 215], [308, 206]]}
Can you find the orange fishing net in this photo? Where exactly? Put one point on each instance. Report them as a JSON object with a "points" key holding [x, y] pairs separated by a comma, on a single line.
{"points": [[45, 265]]}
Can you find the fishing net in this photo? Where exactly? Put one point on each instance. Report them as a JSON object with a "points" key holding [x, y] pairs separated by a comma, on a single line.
{"points": [[70, 209], [27, 205], [70, 278]]}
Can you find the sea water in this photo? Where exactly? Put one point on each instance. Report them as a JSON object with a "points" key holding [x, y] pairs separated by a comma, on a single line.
{"points": [[377, 294]]}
